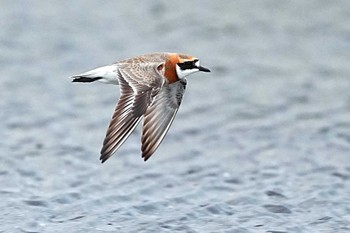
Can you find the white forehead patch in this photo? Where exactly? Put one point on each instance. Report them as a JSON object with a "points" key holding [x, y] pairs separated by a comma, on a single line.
{"points": [[197, 63]]}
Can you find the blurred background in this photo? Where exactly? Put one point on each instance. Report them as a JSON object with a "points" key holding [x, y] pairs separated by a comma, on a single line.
{"points": [[260, 144]]}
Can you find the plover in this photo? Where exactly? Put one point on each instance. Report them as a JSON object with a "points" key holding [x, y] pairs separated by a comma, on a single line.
{"points": [[151, 88]]}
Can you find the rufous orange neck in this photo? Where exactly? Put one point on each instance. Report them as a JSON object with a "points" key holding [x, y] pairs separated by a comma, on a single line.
{"points": [[170, 68]]}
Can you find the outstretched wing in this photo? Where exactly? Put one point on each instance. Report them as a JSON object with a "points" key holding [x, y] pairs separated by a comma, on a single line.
{"points": [[138, 86], [160, 115]]}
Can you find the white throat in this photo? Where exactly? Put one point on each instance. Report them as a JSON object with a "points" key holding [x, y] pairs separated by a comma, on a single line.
{"points": [[183, 73]]}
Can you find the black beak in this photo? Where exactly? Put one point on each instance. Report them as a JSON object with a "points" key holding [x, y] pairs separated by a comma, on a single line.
{"points": [[201, 68]]}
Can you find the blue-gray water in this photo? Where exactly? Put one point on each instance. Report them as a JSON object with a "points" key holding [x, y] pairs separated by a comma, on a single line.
{"points": [[261, 144]]}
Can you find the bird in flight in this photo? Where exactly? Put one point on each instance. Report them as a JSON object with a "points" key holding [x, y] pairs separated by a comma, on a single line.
{"points": [[151, 88]]}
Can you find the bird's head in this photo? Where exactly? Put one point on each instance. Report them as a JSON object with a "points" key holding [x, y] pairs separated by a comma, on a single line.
{"points": [[187, 66]]}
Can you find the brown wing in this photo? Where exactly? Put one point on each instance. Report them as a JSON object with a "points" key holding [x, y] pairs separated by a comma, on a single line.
{"points": [[136, 95], [160, 115]]}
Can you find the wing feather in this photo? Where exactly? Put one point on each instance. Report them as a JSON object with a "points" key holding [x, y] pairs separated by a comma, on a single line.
{"points": [[160, 115], [134, 100]]}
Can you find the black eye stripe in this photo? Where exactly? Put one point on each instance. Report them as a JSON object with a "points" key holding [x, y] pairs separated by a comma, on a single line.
{"points": [[187, 65]]}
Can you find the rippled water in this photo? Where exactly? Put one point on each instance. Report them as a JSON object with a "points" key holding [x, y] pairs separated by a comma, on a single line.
{"points": [[261, 144]]}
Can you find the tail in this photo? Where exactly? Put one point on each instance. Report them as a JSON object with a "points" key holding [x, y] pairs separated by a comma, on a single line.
{"points": [[83, 79], [105, 74]]}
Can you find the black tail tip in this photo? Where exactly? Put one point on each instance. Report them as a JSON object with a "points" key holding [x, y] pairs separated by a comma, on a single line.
{"points": [[84, 79]]}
